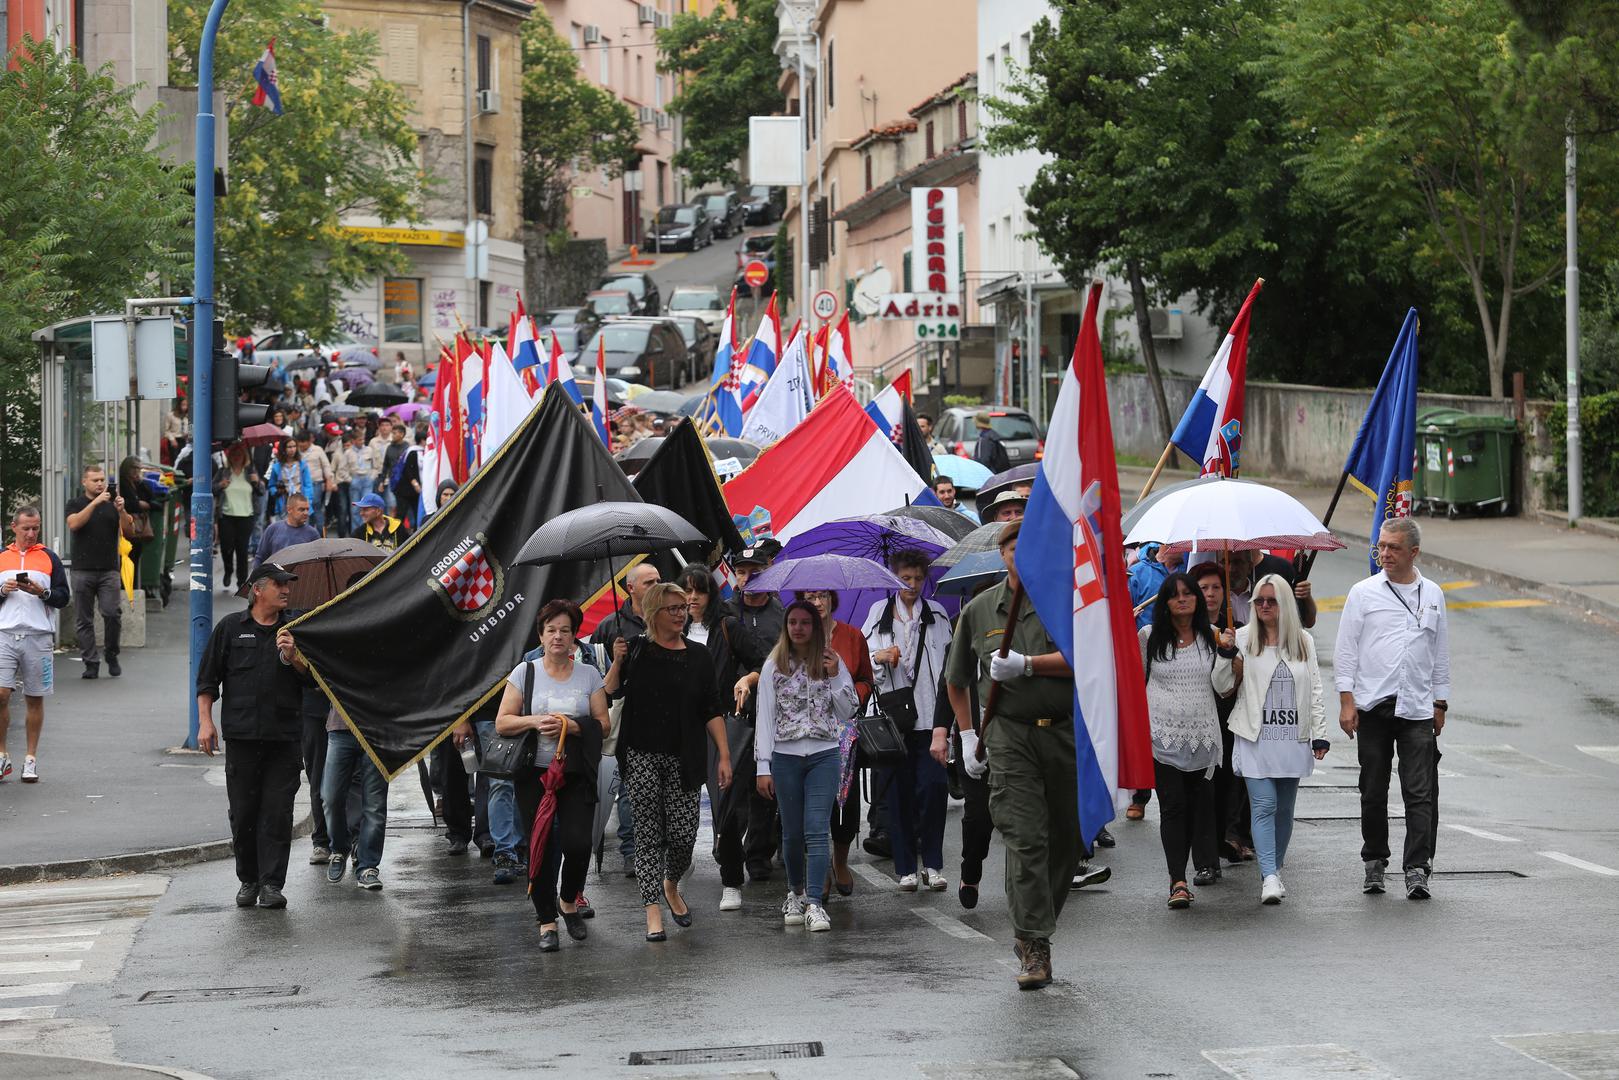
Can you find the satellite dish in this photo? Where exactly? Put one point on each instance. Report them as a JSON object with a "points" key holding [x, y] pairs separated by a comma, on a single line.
{"points": [[870, 289]]}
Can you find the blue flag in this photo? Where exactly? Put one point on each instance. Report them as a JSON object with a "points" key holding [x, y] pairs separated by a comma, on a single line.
{"points": [[1384, 455]]}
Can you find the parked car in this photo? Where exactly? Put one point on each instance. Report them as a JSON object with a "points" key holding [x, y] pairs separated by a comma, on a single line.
{"points": [[725, 212], [957, 432], [568, 316], [759, 203], [703, 301], [646, 351], [605, 303], [682, 225], [701, 342], [642, 289], [288, 350], [761, 246]]}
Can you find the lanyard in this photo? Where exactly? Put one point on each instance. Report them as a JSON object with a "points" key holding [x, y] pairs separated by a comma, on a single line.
{"points": [[1409, 609]]}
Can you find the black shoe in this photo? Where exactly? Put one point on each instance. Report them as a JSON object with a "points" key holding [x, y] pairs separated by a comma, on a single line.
{"points": [[91, 671], [1105, 839], [1203, 877], [248, 894], [878, 846], [575, 922], [270, 896], [112, 667], [681, 921], [584, 908], [968, 895], [548, 941], [759, 871], [486, 851], [455, 846], [656, 935]]}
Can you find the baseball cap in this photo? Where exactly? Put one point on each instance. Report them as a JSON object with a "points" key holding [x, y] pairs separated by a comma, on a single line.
{"points": [[759, 554], [275, 572], [373, 500]]}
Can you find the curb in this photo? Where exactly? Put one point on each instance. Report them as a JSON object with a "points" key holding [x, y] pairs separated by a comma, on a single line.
{"points": [[154, 1070], [1599, 526]]}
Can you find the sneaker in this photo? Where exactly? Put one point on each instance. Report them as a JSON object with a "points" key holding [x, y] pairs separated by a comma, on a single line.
{"points": [[334, 868], [1203, 877], [454, 846], [319, 854], [270, 896], [30, 770], [1090, 875], [907, 883], [1105, 839], [1374, 876], [934, 879], [1416, 878], [112, 667], [1035, 970], [5, 766], [505, 870], [1270, 891], [1280, 884], [816, 918], [248, 894], [369, 879], [792, 910], [730, 899]]}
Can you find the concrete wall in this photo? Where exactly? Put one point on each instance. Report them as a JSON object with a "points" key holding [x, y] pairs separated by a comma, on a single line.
{"points": [[561, 279]]}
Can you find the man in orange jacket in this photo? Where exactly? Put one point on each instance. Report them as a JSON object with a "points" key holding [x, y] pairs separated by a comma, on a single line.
{"points": [[33, 588]]}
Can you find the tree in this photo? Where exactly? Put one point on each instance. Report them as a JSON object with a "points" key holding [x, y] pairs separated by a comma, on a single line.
{"points": [[88, 215], [344, 146], [568, 123], [730, 72], [1447, 115]]}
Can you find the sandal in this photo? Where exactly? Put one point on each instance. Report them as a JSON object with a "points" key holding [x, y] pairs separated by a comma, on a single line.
{"points": [[1135, 812], [1180, 897]]}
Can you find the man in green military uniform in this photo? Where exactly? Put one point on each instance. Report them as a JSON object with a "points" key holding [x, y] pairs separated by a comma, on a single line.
{"points": [[1033, 786]]}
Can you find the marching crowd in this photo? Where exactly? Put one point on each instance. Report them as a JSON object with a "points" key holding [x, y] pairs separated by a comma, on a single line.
{"points": [[757, 700]]}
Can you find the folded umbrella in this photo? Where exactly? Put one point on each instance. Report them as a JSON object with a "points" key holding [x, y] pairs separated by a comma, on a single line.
{"points": [[954, 525], [840, 573], [1217, 514], [546, 812], [977, 569]]}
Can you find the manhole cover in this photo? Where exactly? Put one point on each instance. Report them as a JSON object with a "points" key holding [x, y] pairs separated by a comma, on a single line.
{"points": [[216, 993], [707, 1054]]}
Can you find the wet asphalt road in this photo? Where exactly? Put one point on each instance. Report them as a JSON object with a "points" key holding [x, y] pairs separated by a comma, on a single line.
{"points": [[438, 973]]}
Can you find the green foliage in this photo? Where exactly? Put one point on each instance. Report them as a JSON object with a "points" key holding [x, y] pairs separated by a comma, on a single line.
{"points": [[568, 121], [730, 67], [951, 401], [344, 146], [88, 216], [1599, 336], [785, 266], [1599, 452]]}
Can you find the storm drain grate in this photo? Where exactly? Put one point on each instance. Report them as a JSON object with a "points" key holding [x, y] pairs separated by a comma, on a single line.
{"points": [[1474, 874], [704, 1055], [217, 993]]}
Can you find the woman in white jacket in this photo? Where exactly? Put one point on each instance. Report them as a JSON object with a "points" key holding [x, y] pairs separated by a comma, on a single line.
{"points": [[805, 696], [1279, 721]]}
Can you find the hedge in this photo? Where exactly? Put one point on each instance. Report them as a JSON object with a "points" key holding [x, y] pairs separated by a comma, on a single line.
{"points": [[1599, 452]]}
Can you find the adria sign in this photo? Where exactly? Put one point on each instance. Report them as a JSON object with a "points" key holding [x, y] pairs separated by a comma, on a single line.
{"points": [[935, 267]]}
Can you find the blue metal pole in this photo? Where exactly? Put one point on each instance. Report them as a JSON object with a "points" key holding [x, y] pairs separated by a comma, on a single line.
{"points": [[202, 369]]}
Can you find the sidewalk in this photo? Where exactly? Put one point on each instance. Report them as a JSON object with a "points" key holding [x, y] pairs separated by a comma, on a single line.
{"points": [[51, 1067], [1575, 567], [111, 798]]}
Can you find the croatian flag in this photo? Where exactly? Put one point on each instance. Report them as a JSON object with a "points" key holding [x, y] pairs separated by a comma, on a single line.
{"points": [[269, 91], [725, 408], [839, 359], [523, 348], [784, 401], [508, 405], [598, 395], [560, 373], [450, 446], [1070, 559], [472, 365], [887, 409], [763, 353], [1210, 432]]}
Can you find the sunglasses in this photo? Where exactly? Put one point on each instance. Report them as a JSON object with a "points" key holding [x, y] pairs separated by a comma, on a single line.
{"points": [[1266, 601]]}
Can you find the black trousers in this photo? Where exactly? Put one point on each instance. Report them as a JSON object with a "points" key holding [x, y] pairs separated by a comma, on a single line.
{"points": [[1185, 819], [314, 761], [234, 535], [846, 818], [567, 848], [1380, 736], [976, 826], [731, 833], [764, 832], [1231, 821], [462, 798], [261, 779]]}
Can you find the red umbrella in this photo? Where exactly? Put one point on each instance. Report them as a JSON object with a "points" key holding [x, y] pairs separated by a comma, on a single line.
{"points": [[262, 435], [546, 812]]}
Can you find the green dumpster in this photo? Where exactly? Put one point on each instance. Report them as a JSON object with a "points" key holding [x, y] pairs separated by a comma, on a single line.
{"points": [[1464, 461], [155, 550]]}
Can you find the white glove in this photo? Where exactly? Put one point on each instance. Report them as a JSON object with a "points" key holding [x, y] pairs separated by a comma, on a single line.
{"points": [[969, 756], [1008, 667]]}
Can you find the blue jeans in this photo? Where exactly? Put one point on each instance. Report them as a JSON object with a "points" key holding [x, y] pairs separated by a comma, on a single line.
{"points": [[918, 793], [359, 488], [343, 757], [1271, 802], [503, 828], [806, 788]]}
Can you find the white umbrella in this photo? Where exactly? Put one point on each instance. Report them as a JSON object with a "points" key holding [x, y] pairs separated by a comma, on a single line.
{"points": [[1216, 514]]}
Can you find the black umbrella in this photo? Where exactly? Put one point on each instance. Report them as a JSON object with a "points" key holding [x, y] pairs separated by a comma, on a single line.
{"points": [[740, 449], [377, 395], [606, 530], [1005, 481], [641, 451], [324, 568], [955, 526]]}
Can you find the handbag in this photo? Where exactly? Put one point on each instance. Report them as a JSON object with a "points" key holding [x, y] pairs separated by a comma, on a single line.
{"points": [[882, 737], [505, 757], [140, 530]]}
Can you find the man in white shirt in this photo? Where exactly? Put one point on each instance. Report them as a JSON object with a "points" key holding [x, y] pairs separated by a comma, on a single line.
{"points": [[1392, 667]]}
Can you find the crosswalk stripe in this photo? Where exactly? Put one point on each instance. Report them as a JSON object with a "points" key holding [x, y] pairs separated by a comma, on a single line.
{"points": [[38, 967], [35, 990], [28, 1012], [1482, 834], [55, 945], [1609, 754], [52, 932], [1581, 864], [1510, 757], [874, 875], [1582, 1055], [954, 927], [1296, 1063]]}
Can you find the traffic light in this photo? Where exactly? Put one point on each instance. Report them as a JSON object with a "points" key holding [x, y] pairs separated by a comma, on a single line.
{"points": [[231, 380]]}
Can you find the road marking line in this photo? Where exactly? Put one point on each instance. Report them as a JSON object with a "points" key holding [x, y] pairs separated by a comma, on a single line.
{"points": [[1601, 753], [954, 927], [1569, 860], [39, 967], [875, 876], [1482, 834], [34, 990], [1450, 585], [1519, 602], [1510, 757], [30, 935], [1296, 1063], [28, 1012], [1586, 1054], [15, 948]]}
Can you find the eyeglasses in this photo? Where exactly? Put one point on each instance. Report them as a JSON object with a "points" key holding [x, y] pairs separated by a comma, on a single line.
{"points": [[1266, 601], [677, 608]]}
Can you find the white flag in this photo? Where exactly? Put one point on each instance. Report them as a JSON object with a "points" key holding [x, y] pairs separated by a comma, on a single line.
{"points": [[506, 402], [782, 403]]}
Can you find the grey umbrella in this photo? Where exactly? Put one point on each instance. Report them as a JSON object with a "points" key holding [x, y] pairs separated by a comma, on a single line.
{"points": [[607, 530], [955, 526], [984, 538]]}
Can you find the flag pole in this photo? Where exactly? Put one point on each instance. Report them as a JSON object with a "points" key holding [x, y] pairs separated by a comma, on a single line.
{"points": [[990, 702], [1169, 448], [1326, 522]]}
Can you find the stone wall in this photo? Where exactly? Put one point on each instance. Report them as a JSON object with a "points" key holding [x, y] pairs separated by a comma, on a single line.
{"points": [[560, 279]]}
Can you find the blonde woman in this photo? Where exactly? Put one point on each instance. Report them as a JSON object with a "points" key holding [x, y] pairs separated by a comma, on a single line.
{"points": [[1279, 721], [805, 697]]}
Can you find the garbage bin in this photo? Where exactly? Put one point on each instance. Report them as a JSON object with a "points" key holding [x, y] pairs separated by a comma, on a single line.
{"points": [[1464, 461]]}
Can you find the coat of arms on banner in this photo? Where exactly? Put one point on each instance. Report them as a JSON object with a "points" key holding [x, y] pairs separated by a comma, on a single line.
{"points": [[467, 578]]}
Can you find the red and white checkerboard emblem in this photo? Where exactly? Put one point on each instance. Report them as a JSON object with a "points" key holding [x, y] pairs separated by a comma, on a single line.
{"points": [[468, 578]]}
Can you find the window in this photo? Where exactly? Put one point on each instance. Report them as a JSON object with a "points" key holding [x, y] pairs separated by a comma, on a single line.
{"points": [[989, 72], [905, 272], [810, 112], [929, 133], [1023, 49], [574, 35], [401, 54], [868, 172], [663, 181], [994, 252], [830, 81], [483, 180], [402, 309], [832, 226], [606, 62], [961, 120], [640, 79], [486, 63], [657, 91]]}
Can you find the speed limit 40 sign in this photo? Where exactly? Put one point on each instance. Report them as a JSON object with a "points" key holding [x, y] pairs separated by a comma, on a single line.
{"points": [[825, 305]]}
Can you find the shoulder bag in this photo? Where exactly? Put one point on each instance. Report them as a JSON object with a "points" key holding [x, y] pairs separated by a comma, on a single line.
{"points": [[880, 734], [504, 757]]}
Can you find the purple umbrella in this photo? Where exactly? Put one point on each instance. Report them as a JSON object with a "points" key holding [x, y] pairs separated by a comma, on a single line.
{"points": [[840, 573], [353, 377], [407, 412], [876, 536]]}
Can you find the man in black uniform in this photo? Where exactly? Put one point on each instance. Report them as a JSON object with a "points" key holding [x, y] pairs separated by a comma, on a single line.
{"points": [[251, 656]]}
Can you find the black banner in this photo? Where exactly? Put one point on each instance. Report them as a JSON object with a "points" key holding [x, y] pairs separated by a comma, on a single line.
{"points": [[680, 477], [430, 635], [913, 445]]}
